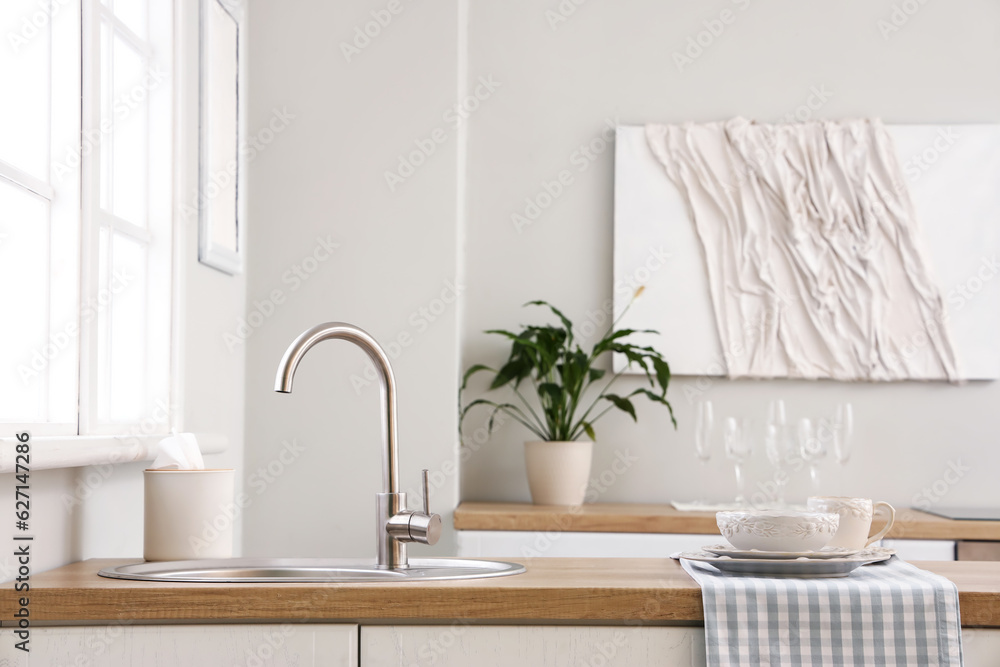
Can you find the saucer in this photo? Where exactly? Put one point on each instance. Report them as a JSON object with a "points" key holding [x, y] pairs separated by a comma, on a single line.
{"points": [[799, 567], [825, 552]]}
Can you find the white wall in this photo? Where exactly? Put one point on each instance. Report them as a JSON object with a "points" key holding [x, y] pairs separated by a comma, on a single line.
{"points": [[324, 175], [93, 512], [615, 61], [322, 178]]}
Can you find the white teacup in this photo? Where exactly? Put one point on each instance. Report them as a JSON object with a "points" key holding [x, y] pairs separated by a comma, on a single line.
{"points": [[855, 519]]}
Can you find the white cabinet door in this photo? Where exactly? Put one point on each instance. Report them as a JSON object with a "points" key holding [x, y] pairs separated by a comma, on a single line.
{"points": [[922, 549], [117, 645], [460, 645], [981, 648], [515, 544]]}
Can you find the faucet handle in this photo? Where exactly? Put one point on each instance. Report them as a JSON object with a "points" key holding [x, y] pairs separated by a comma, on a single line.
{"points": [[414, 526], [427, 493], [425, 527]]}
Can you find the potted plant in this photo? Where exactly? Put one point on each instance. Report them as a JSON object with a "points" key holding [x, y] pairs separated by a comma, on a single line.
{"points": [[566, 401]]}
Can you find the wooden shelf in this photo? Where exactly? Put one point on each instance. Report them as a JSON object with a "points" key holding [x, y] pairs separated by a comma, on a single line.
{"points": [[581, 591], [910, 524]]}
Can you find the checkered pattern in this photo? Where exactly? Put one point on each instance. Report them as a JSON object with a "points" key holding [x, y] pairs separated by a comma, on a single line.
{"points": [[889, 613]]}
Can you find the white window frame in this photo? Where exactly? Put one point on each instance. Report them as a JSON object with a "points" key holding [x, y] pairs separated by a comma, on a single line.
{"points": [[64, 201], [87, 442], [96, 218]]}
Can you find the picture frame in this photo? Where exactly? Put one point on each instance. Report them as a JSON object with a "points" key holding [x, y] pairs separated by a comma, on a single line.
{"points": [[222, 131]]}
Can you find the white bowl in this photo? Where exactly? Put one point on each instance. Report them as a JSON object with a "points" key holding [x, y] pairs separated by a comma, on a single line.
{"points": [[778, 530]]}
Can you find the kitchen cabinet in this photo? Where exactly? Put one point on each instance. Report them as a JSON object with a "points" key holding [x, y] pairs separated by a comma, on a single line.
{"points": [[561, 612], [911, 524], [461, 645], [252, 645], [518, 544], [337, 645]]}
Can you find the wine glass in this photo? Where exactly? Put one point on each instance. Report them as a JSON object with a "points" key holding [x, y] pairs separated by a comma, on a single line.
{"points": [[776, 414], [736, 435], [775, 445], [843, 432], [704, 429], [843, 435], [781, 452], [813, 449]]}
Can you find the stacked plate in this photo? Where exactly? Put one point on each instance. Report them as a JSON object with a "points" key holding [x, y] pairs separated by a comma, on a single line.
{"points": [[827, 562], [783, 543]]}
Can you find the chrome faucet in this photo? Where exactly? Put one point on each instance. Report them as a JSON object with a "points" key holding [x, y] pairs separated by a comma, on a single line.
{"points": [[394, 524]]}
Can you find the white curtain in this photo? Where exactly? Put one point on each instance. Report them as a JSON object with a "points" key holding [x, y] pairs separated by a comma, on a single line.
{"points": [[812, 248]]}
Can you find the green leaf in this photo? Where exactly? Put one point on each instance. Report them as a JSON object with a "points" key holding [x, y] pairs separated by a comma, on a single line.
{"points": [[465, 410], [657, 398], [622, 404], [590, 431], [565, 320], [515, 412], [472, 371], [607, 342], [551, 390], [662, 372], [478, 401], [519, 339], [561, 372], [508, 408], [515, 370]]}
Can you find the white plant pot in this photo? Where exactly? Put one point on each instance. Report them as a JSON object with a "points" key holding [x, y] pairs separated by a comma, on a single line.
{"points": [[558, 472]]}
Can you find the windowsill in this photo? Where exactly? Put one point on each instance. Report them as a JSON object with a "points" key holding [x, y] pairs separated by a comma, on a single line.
{"points": [[48, 452]]}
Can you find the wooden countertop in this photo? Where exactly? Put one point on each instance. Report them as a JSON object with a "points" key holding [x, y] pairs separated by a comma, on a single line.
{"points": [[637, 518], [582, 591]]}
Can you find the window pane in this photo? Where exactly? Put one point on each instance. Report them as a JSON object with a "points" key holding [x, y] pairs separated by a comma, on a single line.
{"points": [[130, 371], [107, 95], [133, 14], [26, 349], [126, 161], [24, 80], [100, 308], [122, 331]]}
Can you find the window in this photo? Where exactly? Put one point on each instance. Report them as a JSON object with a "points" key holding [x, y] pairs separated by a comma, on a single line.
{"points": [[85, 215]]}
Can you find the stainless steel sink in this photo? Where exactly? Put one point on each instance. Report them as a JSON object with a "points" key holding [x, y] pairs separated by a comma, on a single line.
{"points": [[395, 525], [292, 570]]}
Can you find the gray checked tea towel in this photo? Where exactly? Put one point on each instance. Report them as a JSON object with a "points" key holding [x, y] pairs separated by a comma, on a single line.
{"points": [[889, 613]]}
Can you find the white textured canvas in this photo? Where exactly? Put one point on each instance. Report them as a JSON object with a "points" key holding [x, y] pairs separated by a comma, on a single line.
{"points": [[952, 172]]}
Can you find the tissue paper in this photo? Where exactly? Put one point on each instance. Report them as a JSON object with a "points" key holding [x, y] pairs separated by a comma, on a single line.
{"points": [[179, 451]]}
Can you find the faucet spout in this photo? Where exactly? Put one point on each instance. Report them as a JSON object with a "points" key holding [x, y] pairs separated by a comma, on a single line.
{"points": [[395, 525], [387, 383]]}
